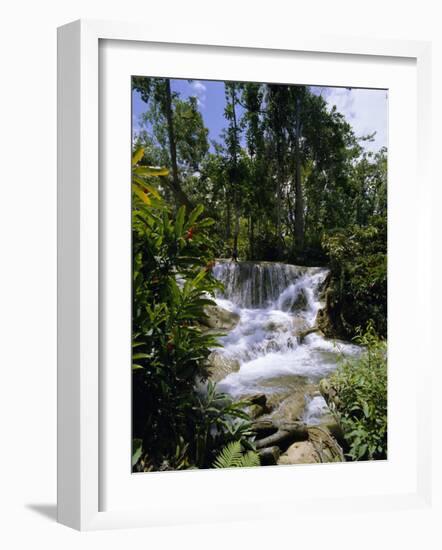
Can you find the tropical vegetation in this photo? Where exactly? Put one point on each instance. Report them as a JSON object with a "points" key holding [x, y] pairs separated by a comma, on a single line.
{"points": [[288, 181]]}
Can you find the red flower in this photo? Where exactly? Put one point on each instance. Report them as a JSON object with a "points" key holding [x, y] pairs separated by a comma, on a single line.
{"points": [[189, 234]]}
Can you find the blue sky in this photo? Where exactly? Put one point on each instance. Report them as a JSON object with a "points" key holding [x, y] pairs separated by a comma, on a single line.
{"points": [[365, 109]]}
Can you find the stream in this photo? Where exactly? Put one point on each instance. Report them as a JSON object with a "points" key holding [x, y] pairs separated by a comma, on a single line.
{"points": [[275, 302]]}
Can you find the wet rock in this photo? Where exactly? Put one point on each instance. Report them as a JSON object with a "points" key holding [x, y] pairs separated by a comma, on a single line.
{"points": [[300, 302], [272, 346], [258, 405], [329, 393], [291, 408], [299, 325], [301, 452], [219, 318], [258, 399], [255, 411], [264, 428], [269, 455], [323, 321], [276, 326], [219, 366]]}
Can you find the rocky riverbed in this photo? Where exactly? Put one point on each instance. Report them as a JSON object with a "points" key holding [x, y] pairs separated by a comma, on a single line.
{"points": [[273, 355]]}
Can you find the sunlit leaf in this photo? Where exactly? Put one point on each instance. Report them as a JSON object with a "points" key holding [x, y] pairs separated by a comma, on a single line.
{"points": [[138, 155], [150, 171], [141, 195]]}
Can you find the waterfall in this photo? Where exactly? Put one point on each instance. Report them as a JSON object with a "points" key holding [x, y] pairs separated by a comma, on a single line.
{"points": [[261, 284], [275, 302]]}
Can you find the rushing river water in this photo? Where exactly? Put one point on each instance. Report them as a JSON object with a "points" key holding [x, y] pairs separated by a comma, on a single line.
{"points": [[275, 303]]}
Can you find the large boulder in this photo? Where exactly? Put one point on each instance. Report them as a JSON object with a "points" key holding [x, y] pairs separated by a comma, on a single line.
{"points": [[319, 447], [301, 452], [291, 409], [220, 365], [290, 406], [220, 318], [325, 445]]}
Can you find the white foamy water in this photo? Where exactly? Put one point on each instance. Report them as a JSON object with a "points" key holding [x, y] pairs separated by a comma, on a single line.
{"points": [[315, 409], [275, 302]]}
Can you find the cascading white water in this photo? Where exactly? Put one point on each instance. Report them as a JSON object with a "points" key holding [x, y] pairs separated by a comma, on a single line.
{"points": [[275, 302]]}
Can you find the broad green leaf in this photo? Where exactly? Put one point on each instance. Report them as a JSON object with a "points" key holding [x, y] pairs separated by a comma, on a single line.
{"points": [[141, 356], [141, 195], [137, 448], [366, 410], [179, 222], [138, 155], [147, 187], [199, 277], [195, 214], [154, 171]]}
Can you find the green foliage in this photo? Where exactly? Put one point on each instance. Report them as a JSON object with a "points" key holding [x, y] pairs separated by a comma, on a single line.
{"points": [[219, 420], [233, 456], [282, 147], [358, 292], [247, 181], [172, 284], [137, 449], [144, 190], [190, 133], [360, 403]]}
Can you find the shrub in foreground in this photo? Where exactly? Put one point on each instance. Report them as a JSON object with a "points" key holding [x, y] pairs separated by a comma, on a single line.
{"points": [[357, 395]]}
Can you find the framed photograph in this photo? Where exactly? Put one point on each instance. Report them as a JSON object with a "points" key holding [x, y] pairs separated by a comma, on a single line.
{"points": [[239, 241]]}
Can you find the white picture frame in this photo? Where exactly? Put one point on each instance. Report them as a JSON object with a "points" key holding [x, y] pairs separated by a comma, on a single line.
{"points": [[81, 445]]}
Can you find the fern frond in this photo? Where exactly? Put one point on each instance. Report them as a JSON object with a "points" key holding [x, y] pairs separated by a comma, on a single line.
{"points": [[249, 460], [231, 456]]}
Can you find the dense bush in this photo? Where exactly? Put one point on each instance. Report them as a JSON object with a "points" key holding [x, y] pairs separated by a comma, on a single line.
{"points": [[358, 290], [174, 424], [357, 395]]}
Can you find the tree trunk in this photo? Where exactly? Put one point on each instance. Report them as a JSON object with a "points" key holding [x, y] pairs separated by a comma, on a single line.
{"points": [[278, 193], [252, 238], [180, 196], [284, 437], [235, 177], [299, 199], [236, 234], [228, 216]]}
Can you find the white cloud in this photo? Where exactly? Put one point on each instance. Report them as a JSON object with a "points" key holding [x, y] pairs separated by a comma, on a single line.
{"points": [[366, 110], [200, 92], [198, 85]]}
